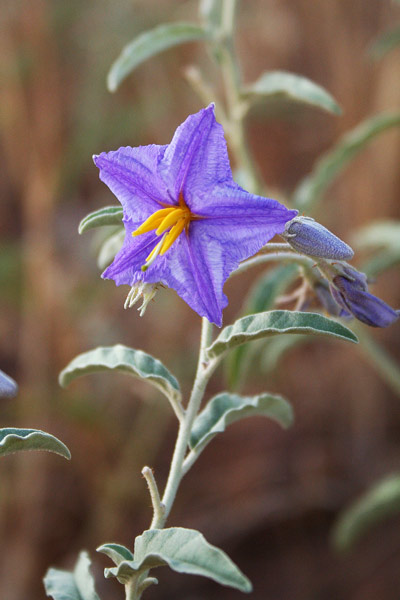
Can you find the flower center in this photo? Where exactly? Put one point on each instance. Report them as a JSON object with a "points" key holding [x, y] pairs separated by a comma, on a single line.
{"points": [[167, 222]]}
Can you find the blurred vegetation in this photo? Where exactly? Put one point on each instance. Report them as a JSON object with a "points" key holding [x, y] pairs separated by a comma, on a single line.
{"points": [[280, 490]]}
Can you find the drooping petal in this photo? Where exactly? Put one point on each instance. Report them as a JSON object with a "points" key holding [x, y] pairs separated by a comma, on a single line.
{"points": [[132, 175], [197, 157], [366, 307]]}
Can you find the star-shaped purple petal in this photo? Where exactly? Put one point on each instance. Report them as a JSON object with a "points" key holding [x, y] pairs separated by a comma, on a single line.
{"points": [[227, 223]]}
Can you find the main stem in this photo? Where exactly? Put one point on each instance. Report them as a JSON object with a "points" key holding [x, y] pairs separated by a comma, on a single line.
{"points": [[236, 108], [203, 373]]}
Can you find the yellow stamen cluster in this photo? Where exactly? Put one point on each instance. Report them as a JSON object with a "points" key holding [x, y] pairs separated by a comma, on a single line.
{"points": [[173, 218]]}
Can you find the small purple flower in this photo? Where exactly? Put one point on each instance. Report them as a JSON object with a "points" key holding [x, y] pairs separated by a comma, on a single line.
{"points": [[188, 224], [350, 291], [8, 387], [313, 239]]}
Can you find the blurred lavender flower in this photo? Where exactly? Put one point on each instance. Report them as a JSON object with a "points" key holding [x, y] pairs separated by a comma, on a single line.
{"points": [[313, 239], [324, 295], [350, 290], [8, 387], [188, 224]]}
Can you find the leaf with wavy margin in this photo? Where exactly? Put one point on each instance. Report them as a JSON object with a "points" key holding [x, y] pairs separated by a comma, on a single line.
{"points": [[225, 408], [121, 358], [184, 551], [14, 439], [275, 322]]}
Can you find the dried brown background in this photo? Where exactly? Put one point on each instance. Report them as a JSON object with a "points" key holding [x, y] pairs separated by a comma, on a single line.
{"points": [[268, 497]]}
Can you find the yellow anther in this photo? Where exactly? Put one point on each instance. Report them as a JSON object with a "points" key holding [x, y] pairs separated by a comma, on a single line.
{"points": [[173, 235], [153, 221], [171, 219]]}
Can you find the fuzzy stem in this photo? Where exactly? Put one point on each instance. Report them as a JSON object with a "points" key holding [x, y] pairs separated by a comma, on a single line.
{"points": [[273, 257], [204, 372], [158, 506]]}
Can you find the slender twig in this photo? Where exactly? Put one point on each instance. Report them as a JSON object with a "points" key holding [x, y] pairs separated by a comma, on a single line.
{"points": [[260, 259], [158, 506]]}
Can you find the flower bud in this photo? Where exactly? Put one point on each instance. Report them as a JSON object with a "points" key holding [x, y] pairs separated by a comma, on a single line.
{"points": [[309, 237]]}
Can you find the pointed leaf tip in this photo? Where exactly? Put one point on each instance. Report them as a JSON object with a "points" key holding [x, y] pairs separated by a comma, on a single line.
{"points": [[149, 44]]}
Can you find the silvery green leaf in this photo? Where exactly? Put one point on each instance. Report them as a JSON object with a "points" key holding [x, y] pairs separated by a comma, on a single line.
{"points": [[14, 439], [150, 43], [8, 387], [275, 322], [377, 504], [76, 585], [184, 551], [310, 191], [121, 358], [109, 215], [116, 552], [109, 248], [292, 87], [261, 297], [224, 409], [385, 43]]}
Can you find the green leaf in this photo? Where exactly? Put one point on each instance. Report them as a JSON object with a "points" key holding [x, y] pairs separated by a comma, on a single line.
{"points": [[121, 358], [281, 84], [261, 297], [378, 504], [13, 439], [109, 248], [224, 409], [261, 325], [184, 551], [78, 585], [385, 43], [149, 44], [116, 552], [327, 168], [109, 215]]}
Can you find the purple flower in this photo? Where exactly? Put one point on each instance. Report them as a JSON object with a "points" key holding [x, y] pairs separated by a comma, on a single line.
{"points": [[188, 224], [350, 291]]}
